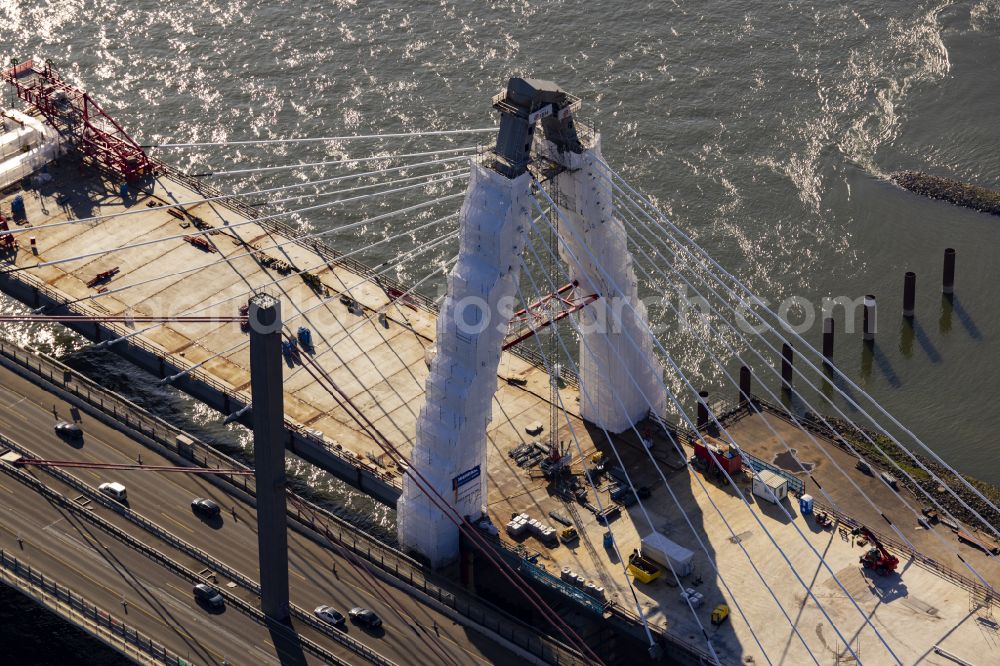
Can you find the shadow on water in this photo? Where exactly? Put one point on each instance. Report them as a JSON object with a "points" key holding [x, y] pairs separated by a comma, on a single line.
{"points": [[951, 304], [872, 355], [833, 380], [910, 330]]}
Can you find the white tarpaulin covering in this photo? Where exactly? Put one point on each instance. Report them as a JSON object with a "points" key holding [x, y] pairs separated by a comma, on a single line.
{"points": [[26, 145], [450, 450], [620, 375]]}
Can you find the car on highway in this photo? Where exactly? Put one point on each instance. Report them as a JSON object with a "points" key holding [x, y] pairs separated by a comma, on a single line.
{"points": [[68, 430], [365, 617], [114, 490], [208, 596], [205, 507], [331, 615]]}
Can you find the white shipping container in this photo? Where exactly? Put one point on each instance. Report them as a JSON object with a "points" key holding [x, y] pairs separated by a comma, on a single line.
{"points": [[770, 486], [665, 552]]}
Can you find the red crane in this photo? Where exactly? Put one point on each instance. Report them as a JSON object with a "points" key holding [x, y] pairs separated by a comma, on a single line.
{"points": [[877, 558]]}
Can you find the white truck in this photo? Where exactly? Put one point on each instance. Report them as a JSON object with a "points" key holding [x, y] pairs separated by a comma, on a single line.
{"points": [[666, 553]]}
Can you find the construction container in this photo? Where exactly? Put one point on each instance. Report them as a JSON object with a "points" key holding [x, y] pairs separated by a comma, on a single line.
{"points": [[728, 458], [665, 552], [770, 486], [644, 570]]}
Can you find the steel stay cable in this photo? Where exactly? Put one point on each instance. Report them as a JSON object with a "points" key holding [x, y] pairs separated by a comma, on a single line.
{"points": [[221, 197], [376, 586], [358, 188], [397, 135], [407, 255], [207, 232], [722, 428], [348, 333], [851, 384], [847, 419], [670, 490], [798, 423], [274, 281], [452, 515], [356, 160], [649, 522]]}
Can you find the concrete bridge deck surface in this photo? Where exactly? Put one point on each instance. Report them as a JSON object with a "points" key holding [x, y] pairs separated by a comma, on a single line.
{"points": [[384, 370], [77, 554]]}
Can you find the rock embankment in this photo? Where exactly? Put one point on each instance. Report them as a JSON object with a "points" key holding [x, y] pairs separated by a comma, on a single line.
{"points": [[952, 191]]}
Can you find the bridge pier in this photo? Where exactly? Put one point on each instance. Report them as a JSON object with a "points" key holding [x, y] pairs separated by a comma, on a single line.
{"points": [[269, 454]]}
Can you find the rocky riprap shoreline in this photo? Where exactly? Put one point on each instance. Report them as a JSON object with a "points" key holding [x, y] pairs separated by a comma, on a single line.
{"points": [[921, 477], [947, 189]]}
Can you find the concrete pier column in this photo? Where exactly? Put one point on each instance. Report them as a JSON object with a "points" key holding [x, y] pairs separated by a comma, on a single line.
{"points": [[909, 294], [828, 340], [746, 379], [702, 409], [786, 366], [948, 278], [268, 418], [871, 316]]}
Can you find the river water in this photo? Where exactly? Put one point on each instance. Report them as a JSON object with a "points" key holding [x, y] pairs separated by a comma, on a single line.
{"points": [[765, 130]]}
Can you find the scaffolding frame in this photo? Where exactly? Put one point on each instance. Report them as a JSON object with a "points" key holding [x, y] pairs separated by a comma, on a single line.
{"points": [[80, 120]]}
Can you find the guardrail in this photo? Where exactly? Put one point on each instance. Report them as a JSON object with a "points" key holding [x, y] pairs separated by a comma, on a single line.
{"points": [[64, 601], [235, 399], [186, 548], [987, 595], [390, 560]]}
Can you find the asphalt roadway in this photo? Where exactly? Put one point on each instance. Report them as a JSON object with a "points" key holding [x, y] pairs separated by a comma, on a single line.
{"points": [[97, 566]]}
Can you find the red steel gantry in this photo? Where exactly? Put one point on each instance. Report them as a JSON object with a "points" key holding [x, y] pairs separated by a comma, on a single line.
{"points": [[79, 118]]}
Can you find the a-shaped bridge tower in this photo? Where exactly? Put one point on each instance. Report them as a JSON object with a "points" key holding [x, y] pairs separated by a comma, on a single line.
{"points": [[616, 356]]}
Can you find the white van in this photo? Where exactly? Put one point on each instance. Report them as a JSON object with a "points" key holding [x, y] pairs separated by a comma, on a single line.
{"points": [[114, 490]]}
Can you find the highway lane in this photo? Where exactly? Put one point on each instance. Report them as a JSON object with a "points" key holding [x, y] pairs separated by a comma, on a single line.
{"points": [[414, 633], [159, 603]]}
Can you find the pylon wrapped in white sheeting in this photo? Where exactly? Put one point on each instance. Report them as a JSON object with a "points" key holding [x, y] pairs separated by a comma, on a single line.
{"points": [[25, 149], [620, 375], [450, 450]]}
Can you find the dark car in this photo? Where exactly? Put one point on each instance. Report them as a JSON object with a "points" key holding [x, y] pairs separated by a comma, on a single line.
{"points": [[365, 617], [208, 596], [68, 430], [205, 507], [328, 614]]}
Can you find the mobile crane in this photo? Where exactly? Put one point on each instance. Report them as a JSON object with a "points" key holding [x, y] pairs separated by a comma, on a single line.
{"points": [[877, 557]]}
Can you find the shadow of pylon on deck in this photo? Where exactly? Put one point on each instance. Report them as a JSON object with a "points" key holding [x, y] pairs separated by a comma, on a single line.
{"points": [[287, 645]]}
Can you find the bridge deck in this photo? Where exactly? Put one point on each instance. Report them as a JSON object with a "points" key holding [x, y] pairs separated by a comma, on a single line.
{"points": [[79, 555], [383, 370]]}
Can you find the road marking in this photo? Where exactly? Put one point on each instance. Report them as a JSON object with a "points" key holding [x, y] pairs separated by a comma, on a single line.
{"points": [[177, 522]]}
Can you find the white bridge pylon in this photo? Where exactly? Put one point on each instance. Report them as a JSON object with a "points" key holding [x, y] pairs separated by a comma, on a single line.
{"points": [[450, 450]]}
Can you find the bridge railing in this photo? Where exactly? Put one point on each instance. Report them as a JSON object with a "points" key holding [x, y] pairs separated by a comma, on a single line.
{"points": [[233, 397], [63, 600], [333, 257], [316, 518], [180, 570]]}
